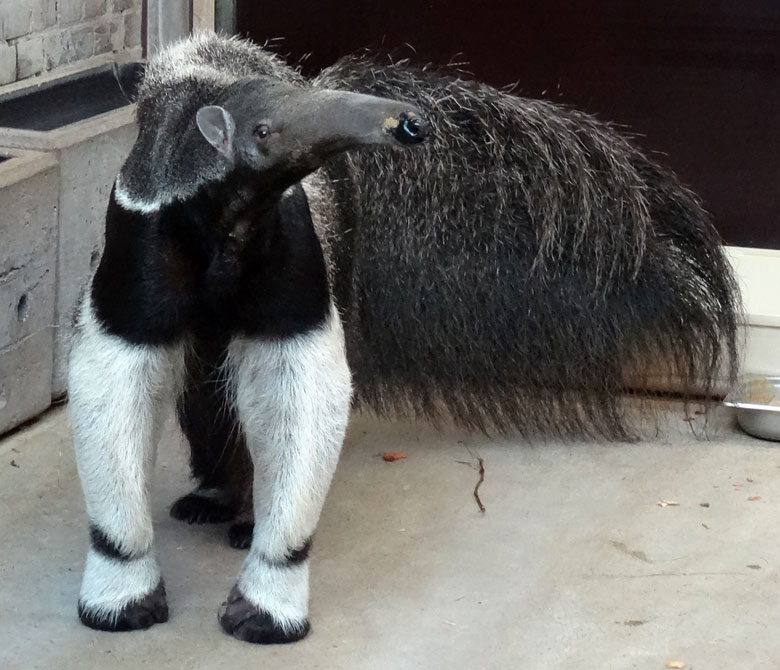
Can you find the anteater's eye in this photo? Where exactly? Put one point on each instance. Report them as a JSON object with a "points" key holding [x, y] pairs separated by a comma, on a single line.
{"points": [[262, 131]]}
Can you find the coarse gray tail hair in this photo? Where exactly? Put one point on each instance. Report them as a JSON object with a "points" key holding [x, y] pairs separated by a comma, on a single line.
{"points": [[525, 268]]}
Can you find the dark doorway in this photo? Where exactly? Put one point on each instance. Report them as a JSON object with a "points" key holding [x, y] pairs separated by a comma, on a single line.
{"points": [[697, 80]]}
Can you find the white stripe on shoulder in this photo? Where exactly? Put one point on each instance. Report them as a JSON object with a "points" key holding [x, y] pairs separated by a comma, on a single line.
{"points": [[126, 201]]}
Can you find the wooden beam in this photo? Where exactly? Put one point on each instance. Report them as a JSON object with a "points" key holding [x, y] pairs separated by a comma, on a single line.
{"points": [[202, 15]]}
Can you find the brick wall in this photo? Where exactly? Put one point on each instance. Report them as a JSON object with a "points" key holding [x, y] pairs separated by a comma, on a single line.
{"points": [[40, 35]]}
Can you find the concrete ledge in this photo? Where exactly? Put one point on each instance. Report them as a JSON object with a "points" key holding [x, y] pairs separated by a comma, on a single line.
{"points": [[90, 153], [67, 136], [28, 260]]}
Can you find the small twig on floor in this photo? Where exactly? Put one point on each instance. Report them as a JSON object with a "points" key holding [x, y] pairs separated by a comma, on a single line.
{"points": [[480, 469], [479, 483]]}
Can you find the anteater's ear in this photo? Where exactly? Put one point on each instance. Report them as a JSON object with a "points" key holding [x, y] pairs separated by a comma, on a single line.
{"points": [[216, 124]]}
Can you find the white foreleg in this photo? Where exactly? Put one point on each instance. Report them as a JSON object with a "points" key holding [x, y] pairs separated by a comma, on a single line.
{"points": [[117, 396], [292, 397]]}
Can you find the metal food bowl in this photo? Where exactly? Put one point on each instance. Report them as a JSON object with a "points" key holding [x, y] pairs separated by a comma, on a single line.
{"points": [[757, 402]]}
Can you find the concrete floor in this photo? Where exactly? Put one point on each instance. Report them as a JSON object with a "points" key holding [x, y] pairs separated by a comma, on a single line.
{"points": [[573, 565]]}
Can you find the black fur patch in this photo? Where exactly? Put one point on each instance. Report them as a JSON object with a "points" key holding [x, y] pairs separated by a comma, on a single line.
{"points": [[144, 613], [297, 556], [240, 535], [104, 545], [215, 265], [218, 453], [241, 619], [195, 508]]}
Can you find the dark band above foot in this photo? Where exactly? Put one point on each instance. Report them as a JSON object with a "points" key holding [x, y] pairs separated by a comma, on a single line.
{"points": [[240, 537], [102, 544], [293, 556]]}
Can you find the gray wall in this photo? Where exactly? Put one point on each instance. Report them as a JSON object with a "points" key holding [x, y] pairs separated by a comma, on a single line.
{"points": [[40, 35]]}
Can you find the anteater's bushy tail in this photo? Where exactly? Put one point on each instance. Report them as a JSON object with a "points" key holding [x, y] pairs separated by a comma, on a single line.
{"points": [[524, 268]]}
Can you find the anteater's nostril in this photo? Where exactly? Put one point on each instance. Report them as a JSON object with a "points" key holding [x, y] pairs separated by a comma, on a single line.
{"points": [[411, 128]]}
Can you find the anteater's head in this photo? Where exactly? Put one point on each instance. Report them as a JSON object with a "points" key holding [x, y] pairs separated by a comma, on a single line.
{"points": [[282, 132]]}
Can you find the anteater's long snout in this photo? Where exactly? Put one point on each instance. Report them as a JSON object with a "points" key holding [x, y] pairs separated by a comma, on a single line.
{"points": [[329, 121]]}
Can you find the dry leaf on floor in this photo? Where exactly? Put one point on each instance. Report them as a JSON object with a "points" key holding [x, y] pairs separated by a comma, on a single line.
{"points": [[391, 456], [750, 479], [14, 464], [667, 503], [675, 664], [754, 498], [705, 526], [704, 504]]}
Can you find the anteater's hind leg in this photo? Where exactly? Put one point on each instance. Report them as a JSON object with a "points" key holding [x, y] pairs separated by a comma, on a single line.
{"points": [[219, 458]]}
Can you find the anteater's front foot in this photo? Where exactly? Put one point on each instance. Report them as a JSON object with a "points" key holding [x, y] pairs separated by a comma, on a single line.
{"points": [[204, 506], [244, 621], [138, 615]]}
